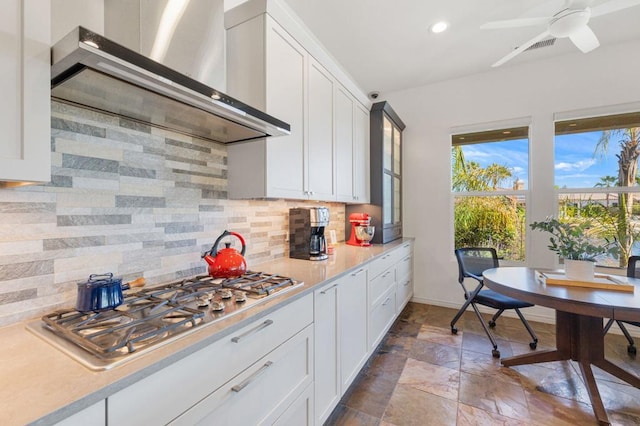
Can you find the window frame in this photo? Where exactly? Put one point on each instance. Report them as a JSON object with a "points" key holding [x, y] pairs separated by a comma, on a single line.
{"points": [[524, 193], [587, 114]]}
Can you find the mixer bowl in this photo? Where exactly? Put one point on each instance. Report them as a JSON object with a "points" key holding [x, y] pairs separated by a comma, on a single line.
{"points": [[365, 233]]}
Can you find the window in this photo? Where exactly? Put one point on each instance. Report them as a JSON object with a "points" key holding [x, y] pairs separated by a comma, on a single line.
{"points": [[490, 174], [596, 176]]}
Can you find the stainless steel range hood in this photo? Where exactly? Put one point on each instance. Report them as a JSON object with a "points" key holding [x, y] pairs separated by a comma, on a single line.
{"points": [[92, 71]]}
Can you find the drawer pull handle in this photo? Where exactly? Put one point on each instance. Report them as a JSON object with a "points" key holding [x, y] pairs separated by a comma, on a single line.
{"points": [[265, 324], [357, 273], [385, 256], [408, 258], [328, 288], [407, 283], [386, 302], [386, 274], [248, 380]]}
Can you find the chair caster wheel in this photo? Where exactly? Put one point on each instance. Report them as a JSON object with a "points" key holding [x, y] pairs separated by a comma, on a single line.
{"points": [[492, 324], [533, 345], [631, 350], [454, 330], [495, 353]]}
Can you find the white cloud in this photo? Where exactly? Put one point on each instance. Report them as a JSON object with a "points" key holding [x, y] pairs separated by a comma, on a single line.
{"points": [[577, 166]]}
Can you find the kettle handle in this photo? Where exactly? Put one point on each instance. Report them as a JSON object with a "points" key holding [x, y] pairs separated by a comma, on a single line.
{"points": [[214, 249]]}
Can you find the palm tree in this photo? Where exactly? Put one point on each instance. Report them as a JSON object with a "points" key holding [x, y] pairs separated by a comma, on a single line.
{"points": [[629, 141], [607, 182], [495, 173]]}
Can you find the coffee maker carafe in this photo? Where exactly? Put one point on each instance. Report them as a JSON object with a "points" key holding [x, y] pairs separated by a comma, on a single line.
{"points": [[306, 233]]}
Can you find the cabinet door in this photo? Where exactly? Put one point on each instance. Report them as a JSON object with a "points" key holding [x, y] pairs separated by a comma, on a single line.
{"points": [[344, 144], [361, 171], [25, 107], [286, 62], [261, 393], [327, 380], [352, 308], [319, 156]]}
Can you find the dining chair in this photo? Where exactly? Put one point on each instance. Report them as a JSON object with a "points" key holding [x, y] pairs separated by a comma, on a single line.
{"points": [[472, 262], [633, 271]]}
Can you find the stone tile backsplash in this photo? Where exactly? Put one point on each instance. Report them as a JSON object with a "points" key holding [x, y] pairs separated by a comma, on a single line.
{"points": [[129, 199]]}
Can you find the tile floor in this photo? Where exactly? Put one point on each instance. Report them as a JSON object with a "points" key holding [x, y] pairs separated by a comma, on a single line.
{"points": [[424, 375]]}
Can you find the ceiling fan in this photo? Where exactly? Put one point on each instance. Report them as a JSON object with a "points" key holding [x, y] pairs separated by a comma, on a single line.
{"points": [[570, 22]]}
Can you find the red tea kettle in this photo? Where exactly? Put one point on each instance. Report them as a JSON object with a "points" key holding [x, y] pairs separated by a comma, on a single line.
{"points": [[228, 262]]}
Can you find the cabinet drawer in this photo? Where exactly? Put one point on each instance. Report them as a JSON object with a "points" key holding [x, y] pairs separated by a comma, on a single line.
{"points": [[380, 285], [404, 268], [382, 316], [380, 264], [203, 372], [404, 250], [404, 291], [262, 392]]}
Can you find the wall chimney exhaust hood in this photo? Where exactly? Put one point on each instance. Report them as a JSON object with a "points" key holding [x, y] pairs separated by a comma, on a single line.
{"points": [[94, 72]]}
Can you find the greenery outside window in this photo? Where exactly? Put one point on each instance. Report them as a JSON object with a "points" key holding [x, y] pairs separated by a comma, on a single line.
{"points": [[490, 174], [596, 177]]}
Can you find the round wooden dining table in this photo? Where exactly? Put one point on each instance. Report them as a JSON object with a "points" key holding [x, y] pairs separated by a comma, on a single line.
{"points": [[579, 329]]}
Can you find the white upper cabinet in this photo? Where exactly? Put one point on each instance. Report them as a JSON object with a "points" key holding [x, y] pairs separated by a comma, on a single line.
{"points": [[267, 69], [319, 159], [352, 148], [275, 65], [361, 170], [344, 105], [25, 107]]}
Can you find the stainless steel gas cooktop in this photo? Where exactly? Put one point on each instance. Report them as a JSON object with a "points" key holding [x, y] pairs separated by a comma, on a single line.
{"points": [[154, 316]]}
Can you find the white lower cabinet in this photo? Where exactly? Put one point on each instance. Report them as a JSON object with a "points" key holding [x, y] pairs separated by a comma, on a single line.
{"points": [[327, 362], [340, 324], [352, 321], [261, 393], [390, 289], [382, 316], [404, 282], [94, 415], [165, 395]]}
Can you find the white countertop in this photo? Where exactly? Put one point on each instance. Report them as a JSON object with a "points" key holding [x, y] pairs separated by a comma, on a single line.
{"points": [[42, 385]]}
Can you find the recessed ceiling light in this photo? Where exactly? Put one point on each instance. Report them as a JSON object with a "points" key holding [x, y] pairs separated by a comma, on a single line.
{"points": [[506, 132], [439, 27]]}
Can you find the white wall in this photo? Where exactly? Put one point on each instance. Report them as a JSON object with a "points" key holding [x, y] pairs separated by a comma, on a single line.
{"points": [[606, 76], [68, 14]]}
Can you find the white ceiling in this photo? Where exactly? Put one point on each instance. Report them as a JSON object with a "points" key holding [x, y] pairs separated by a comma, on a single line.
{"points": [[386, 45]]}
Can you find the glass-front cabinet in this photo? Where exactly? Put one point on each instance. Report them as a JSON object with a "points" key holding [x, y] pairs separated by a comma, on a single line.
{"points": [[386, 174], [391, 172]]}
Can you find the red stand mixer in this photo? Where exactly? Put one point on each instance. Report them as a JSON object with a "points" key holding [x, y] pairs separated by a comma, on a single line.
{"points": [[361, 230]]}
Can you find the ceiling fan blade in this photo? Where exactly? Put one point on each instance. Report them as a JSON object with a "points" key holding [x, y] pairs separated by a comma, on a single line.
{"points": [[584, 39], [613, 6], [521, 48], [514, 23]]}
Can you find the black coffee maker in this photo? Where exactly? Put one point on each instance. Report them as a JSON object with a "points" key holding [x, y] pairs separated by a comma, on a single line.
{"points": [[306, 233]]}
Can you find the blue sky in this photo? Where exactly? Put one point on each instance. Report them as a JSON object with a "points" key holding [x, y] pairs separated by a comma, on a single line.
{"points": [[575, 164]]}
